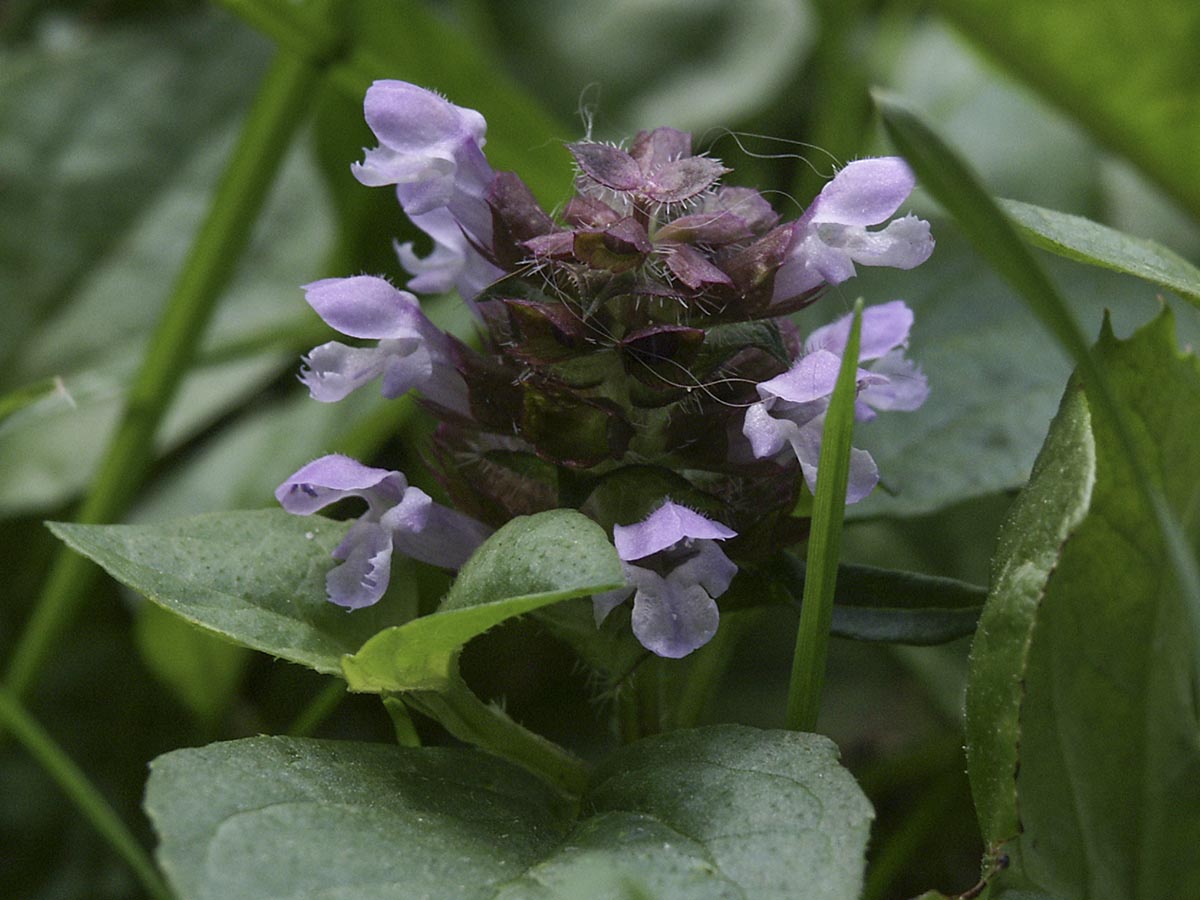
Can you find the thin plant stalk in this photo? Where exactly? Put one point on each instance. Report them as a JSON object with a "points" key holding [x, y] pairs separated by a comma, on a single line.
{"points": [[318, 709], [277, 111], [75, 784], [825, 542]]}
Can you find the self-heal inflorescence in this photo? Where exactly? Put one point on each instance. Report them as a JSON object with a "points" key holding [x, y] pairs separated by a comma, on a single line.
{"points": [[636, 360]]}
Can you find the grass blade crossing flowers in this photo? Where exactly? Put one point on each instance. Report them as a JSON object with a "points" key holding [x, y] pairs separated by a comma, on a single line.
{"points": [[825, 542]]}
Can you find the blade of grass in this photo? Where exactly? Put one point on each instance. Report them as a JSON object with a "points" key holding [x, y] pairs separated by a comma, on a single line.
{"points": [[318, 709], [825, 542], [996, 238], [75, 784], [273, 119]]}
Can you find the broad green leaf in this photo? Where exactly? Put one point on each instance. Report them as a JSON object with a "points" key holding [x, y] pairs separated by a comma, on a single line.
{"points": [[289, 817], [91, 133], [726, 812], [1045, 515], [531, 562], [1090, 242], [950, 180], [256, 578], [157, 152], [1082, 723], [1127, 71]]}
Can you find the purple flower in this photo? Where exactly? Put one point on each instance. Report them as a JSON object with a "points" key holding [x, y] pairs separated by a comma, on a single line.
{"points": [[411, 353], [398, 516], [675, 571], [793, 405], [432, 151], [832, 236]]}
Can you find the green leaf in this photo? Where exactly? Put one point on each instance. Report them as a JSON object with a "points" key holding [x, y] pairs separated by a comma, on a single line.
{"points": [[1127, 71], [885, 605], [715, 813], [950, 180], [1090, 242], [531, 562], [99, 228], [81, 164], [1082, 723], [1045, 515], [256, 578], [289, 817]]}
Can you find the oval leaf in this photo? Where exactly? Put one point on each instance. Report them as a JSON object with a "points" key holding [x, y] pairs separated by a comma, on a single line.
{"points": [[724, 812], [531, 562], [257, 578], [1081, 717], [1083, 240]]}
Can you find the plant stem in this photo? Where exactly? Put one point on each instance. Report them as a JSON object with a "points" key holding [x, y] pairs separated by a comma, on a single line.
{"points": [[277, 111], [470, 719], [318, 709], [709, 664], [842, 106], [895, 854], [825, 542], [647, 689], [83, 794]]}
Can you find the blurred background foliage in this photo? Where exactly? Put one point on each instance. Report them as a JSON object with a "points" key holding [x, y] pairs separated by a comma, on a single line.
{"points": [[116, 118]]}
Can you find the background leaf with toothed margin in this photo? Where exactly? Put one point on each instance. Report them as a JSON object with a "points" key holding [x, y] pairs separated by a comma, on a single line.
{"points": [[1082, 722]]}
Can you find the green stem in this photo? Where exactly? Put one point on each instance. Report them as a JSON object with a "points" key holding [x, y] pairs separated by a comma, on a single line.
{"points": [[842, 106], [824, 543], [895, 854], [706, 669], [470, 719], [82, 793], [629, 723], [402, 723], [278, 110], [318, 709], [648, 684]]}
